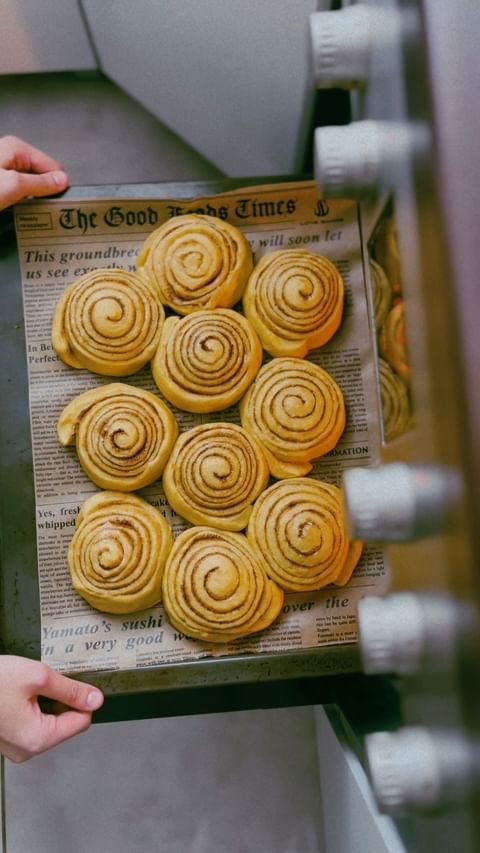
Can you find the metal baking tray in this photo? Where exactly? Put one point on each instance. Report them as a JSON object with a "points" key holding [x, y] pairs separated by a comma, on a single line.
{"points": [[259, 680]]}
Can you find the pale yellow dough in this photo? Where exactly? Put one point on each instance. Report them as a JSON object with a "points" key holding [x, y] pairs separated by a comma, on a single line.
{"points": [[214, 474], [298, 528], [196, 262], [216, 589], [205, 362], [294, 299], [386, 252], [107, 321], [392, 341], [296, 412], [395, 402], [382, 293], [118, 552], [123, 435]]}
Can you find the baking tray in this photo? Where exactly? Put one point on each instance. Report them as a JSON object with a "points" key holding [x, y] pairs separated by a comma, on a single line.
{"points": [[260, 680]]}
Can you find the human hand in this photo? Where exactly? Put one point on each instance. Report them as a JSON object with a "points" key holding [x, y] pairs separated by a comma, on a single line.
{"points": [[25, 730], [27, 171]]}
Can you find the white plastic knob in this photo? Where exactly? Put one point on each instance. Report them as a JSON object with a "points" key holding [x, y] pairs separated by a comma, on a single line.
{"points": [[417, 769], [359, 160], [340, 47], [398, 502], [407, 632], [348, 159], [342, 43]]}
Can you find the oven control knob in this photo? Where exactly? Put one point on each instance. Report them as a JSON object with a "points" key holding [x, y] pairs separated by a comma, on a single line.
{"points": [[340, 47], [398, 502], [407, 632], [359, 160], [341, 43], [415, 769]]}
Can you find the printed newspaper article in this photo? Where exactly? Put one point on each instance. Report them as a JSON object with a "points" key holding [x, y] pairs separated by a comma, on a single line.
{"points": [[59, 240]]}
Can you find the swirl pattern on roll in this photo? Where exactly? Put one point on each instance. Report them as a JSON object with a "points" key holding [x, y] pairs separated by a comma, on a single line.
{"points": [[206, 361], [216, 589], [107, 321], [395, 402], [118, 552], [214, 474], [196, 262], [382, 293], [386, 251], [294, 298], [392, 341], [298, 528], [123, 435], [296, 411]]}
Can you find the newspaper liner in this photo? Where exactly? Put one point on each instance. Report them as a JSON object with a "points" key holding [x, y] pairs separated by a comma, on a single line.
{"points": [[61, 239]]}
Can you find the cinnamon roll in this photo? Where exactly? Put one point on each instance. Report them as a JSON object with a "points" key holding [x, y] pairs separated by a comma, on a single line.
{"points": [[355, 549], [197, 262], [297, 413], [298, 528], [205, 362], [216, 589], [123, 435], [107, 321], [395, 402], [392, 342], [386, 252], [382, 294], [214, 474], [118, 552], [294, 299]]}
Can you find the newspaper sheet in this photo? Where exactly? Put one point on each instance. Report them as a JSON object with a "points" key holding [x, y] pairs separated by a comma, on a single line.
{"points": [[61, 239]]}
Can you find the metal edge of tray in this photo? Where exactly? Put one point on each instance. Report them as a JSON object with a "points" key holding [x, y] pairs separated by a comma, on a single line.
{"points": [[231, 669], [19, 595]]}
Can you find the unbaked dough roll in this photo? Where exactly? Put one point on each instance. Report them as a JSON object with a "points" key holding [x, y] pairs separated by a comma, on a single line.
{"points": [[355, 549], [123, 435], [197, 262], [118, 552], [205, 362], [107, 321], [395, 402], [297, 413], [298, 528], [386, 252], [214, 474], [216, 589], [382, 294], [392, 341], [294, 299]]}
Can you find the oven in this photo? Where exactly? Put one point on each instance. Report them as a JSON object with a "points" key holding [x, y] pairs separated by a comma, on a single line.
{"points": [[388, 119], [410, 69]]}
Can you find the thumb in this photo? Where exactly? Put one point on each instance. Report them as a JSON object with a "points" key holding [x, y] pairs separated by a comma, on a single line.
{"points": [[72, 694], [15, 186]]}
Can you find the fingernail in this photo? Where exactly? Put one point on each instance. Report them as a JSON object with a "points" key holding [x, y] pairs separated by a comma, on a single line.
{"points": [[60, 179], [94, 699]]}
